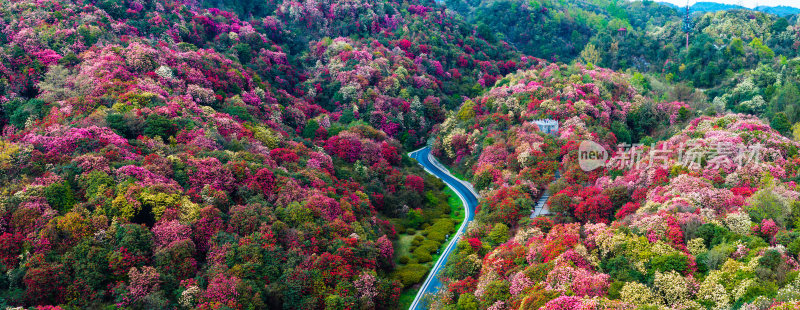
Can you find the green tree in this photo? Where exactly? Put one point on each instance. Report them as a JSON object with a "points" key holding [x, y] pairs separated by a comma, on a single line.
{"points": [[310, 131], [780, 25], [495, 291], [787, 99], [763, 51], [485, 32], [467, 111], [159, 125], [590, 54], [683, 114], [674, 261], [765, 204], [737, 47], [19, 111], [781, 123], [796, 131], [60, 196], [467, 301], [244, 52], [347, 117], [621, 131], [499, 233], [414, 218]]}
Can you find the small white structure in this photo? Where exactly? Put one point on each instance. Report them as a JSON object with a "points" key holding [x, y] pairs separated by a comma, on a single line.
{"points": [[547, 125]]}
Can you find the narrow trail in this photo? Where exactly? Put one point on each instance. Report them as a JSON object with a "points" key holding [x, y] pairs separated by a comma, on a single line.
{"points": [[468, 197], [541, 204]]}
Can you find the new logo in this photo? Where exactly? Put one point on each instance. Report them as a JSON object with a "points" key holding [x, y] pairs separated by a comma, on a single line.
{"points": [[591, 155]]}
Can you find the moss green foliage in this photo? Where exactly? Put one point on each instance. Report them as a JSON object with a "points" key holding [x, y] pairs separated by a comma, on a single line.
{"points": [[60, 196], [19, 111], [767, 205], [159, 126], [410, 274], [499, 233], [675, 261]]}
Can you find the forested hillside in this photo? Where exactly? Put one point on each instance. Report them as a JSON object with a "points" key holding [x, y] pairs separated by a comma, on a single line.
{"points": [[707, 234], [158, 154], [729, 52], [218, 154]]}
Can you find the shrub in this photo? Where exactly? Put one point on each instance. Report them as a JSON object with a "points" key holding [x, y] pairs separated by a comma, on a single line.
{"points": [[244, 51], [714, 258], [483, 179], [796, 214], [19, 112], [177, 259], [538, 298], [538, 272], [431, 245], [771, 259], [46, 284], [127, 125], [404, 259], [637, 293], [791, 276], [10, 244], [96, 180], [410, 274], [414, 218], [240, 112], [422, 255], [621, 131], [543, 223], [627, 209], [440, 229]]}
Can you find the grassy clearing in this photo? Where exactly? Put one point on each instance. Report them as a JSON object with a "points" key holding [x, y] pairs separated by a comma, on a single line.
{"points": [[402, 246], [407, 297]]}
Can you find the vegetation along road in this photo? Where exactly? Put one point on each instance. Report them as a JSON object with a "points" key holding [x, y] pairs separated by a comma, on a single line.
{"points": [[470, 199]]}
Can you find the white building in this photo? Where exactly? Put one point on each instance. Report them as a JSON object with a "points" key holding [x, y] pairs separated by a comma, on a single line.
{"points": [[547, 125]]}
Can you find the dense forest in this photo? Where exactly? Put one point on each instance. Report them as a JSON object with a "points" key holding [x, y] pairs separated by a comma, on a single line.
{"points": [[220, 154]]}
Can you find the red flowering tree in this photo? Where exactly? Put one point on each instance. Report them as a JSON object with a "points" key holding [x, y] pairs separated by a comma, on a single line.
{"points": [[415, 183], [586, 204]]}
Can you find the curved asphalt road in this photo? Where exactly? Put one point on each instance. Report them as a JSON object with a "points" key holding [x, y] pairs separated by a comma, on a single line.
{"points": [[470, 200]]}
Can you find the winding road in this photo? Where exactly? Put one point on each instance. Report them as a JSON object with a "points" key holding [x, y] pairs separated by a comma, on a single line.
{"points": [[468, 196]]}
